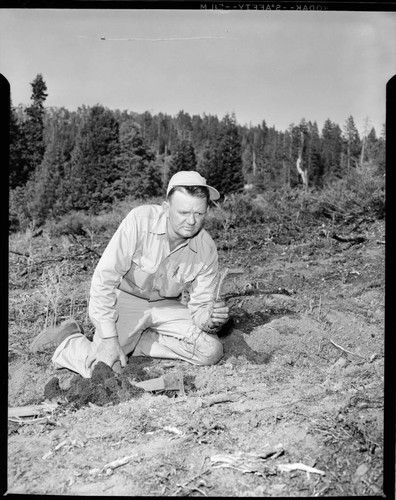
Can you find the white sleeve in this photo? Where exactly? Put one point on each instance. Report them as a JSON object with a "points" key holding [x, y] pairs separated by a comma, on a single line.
{"points": [[114, 263]]}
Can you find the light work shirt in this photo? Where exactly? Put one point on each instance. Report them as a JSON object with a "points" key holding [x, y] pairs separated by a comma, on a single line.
{"points": [[138, 260]]}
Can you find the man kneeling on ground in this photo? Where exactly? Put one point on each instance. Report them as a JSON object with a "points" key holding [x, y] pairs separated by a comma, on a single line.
{"points": [[157, 255]]}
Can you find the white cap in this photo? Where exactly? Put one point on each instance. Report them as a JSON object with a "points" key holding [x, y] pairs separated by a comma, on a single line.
{"points": [[191, 178]]}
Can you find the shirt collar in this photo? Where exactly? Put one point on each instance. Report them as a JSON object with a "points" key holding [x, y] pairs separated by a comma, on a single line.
{"points": [[160, 228]]}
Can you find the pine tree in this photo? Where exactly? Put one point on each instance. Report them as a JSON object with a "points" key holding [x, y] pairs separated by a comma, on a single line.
{"points": [[224, 167], [164, 133], [208, 161], [259, 145], [150, 181], [42, 189], [146, 121], [248, 160], [61, 126], [287, 156], [291, 151], [139, 175], [183, 159], [381, 158], [53, 178], [314, 164], [369, 148], [197, 132], [33, 130], [17, 160], [352, 145], [183, 126], [93, 168], [331, 151], [210, 127]]}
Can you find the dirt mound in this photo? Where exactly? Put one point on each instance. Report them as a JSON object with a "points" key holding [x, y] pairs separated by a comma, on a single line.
{"points": [[236, 346]]}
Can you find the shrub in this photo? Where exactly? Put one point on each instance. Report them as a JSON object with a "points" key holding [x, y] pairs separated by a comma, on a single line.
{"points": [[84, 224], [71, 223], [235, 210], [362, 193], [18, 217]]}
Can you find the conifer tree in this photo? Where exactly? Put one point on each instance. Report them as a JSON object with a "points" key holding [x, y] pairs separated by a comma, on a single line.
{"points": [[43, 188], [17, 159], [224, 166], [150, 181], [33, 133], [370, 147], [183, 125], [208, 161], [314, 164], [93, 167], [197, 132], [287, 162], [259, 145], [381, 151], [352, 145], [164, 133], [290, 147], [139, 175], [183, 159], [331, 151]]}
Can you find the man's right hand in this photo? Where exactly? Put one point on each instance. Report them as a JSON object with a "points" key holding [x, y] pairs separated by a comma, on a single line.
{"points": [[109, 352]]}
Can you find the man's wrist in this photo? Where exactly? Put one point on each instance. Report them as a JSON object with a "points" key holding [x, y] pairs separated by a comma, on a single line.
{"points": [[107, 329], [210, 329]]}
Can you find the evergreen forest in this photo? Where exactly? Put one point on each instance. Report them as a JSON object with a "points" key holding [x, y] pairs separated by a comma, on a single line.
{"points": [[89, 159]]}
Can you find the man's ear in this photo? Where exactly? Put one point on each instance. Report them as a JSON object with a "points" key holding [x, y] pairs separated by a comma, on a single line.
{"points": [[165, 207]]}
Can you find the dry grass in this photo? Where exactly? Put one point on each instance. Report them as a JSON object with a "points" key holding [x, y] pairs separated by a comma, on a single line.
{"points": [[58, 292]]}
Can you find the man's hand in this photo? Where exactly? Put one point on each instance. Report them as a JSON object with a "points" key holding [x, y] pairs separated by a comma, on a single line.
{"points": [[220, 314], [109, 352]]}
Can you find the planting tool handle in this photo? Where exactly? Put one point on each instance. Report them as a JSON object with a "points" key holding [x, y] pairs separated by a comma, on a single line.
{"points": [[117, 367]]}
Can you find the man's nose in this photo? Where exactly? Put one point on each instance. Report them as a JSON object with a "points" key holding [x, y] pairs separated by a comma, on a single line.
{"points": [[191, 219]]}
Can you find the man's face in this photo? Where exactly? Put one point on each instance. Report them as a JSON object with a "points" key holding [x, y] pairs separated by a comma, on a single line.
{"points": [[186, 215]]}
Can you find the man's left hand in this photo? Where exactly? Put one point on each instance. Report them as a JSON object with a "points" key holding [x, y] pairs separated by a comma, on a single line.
{"points": [[220, 314]]}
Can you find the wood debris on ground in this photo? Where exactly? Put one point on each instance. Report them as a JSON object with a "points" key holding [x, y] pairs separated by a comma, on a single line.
{"points": [[299, 466], [110, 466], [31, 413], [218, 398], [253, 462], [246, 462]]}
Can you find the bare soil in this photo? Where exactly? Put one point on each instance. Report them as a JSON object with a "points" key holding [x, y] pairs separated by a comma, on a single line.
{"points": [[301, 381]]}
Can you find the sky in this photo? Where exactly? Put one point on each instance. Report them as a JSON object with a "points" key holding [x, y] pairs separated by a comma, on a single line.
{"points": [[277, 66]]}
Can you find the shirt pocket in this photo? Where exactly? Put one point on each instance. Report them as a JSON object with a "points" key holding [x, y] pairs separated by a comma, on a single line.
{"points": [[140, 276], [176, 279]]}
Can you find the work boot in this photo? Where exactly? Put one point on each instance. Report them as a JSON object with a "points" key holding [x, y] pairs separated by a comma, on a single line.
{"points": [[50, 338]]}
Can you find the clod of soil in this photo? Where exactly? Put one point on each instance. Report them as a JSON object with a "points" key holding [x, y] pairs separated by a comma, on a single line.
{"points": [[107, 387], [236, 346]]}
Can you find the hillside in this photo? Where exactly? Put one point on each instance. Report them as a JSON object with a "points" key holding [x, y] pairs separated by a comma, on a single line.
{"points": [[295, 407]]}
